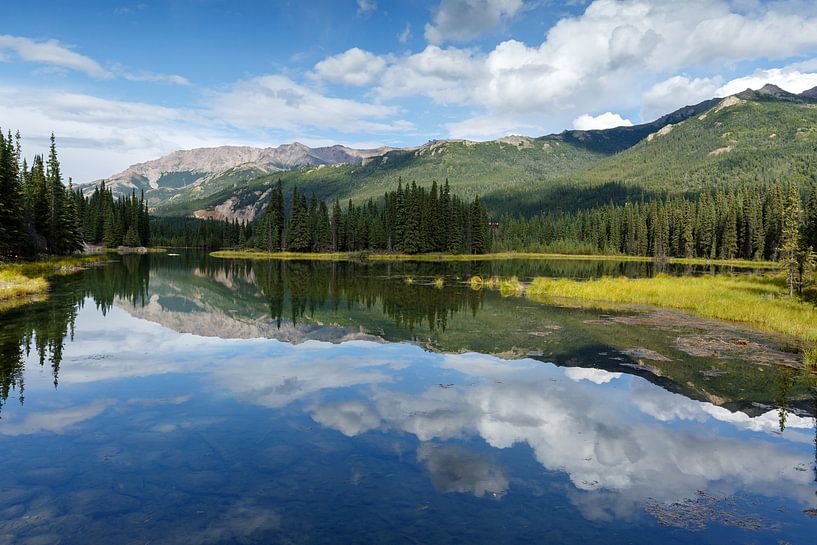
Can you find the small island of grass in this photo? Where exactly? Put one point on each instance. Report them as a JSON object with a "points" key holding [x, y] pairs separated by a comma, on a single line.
{"points": [[760, 301]]}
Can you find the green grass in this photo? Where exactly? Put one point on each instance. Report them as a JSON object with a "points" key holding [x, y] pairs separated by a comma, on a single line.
{"points": [[374, 256], [760, 301], [21, 280]]}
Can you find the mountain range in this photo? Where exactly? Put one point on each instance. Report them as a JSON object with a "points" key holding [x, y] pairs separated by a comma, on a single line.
{"points": [[754, 135]]}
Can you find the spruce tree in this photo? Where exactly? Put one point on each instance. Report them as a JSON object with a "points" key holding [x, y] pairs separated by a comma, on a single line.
{"points": [[12, 233], [810, 227], [790, 239]]}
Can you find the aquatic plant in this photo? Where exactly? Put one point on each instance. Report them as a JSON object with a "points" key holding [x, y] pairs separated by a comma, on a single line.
{"points": [[758, 300], [511, 286], [475, 282]]}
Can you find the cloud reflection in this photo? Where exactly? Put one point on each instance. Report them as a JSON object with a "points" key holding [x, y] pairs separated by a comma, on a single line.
{"points": [[619, 439]]}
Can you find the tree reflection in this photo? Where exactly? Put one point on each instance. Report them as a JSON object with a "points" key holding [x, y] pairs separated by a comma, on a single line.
{"points": [[41, 328], [297, 290]]}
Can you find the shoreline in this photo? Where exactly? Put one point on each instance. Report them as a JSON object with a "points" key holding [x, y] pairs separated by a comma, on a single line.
{"points": [[21, 283], [437, 257]]}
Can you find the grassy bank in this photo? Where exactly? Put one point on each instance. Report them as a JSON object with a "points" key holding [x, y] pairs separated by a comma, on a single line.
{"points": [[757, 300], [20, 281], [345, 256]]}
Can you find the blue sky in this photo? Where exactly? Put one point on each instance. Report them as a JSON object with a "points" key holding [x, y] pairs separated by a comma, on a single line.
{"points": [[126, 82]]}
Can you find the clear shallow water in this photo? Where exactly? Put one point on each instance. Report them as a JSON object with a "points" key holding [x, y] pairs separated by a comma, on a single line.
{"points": [[191, 400]]}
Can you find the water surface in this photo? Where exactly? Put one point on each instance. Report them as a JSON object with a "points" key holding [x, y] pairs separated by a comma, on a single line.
{"points": [[192, 400]]}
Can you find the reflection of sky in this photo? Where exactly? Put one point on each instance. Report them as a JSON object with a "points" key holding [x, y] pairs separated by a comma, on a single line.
{"points": [[618, 438]]}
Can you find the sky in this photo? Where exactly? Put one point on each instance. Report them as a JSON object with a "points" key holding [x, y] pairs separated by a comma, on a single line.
{"points": [[125, 82]]}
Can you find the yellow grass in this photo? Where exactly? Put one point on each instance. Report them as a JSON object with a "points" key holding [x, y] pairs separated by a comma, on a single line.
{"points": [[758, 300], [19, 280], [15, 284], [343, 256]]}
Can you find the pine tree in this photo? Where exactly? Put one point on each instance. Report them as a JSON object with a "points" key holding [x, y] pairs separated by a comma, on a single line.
{"points": [[335, 226], [729, 247], [132, 237], [297, 230], [411, 239], [72, 222], [12, 232], [810, 227], [790, 239], [480, 242]]}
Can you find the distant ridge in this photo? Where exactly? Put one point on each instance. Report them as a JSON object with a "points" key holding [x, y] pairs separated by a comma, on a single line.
{"points": [[513, 173]]}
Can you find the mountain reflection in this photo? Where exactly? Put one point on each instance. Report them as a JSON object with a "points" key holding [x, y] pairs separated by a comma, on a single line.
{"points": [[619, 439], [427, 303]]}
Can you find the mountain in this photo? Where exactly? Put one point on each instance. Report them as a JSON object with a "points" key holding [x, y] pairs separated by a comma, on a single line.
{"points": [[755, 135], [204, 169]]}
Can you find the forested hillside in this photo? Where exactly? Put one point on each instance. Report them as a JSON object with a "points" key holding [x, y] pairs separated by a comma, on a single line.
{"points": [[753, 137], [472, 168]]}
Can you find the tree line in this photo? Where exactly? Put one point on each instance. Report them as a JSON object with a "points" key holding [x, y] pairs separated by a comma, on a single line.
{"points": [[111, 223], [411, 220], [38, 213], [748, 223]]}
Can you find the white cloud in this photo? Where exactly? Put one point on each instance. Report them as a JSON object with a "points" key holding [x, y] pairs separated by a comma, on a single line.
{"points": [[618, 449], [789, 78], [96, 136], [50, 52], [446, 75], [55, 421], [366, 6], [604, 58], [607, 120], [352, 67], [349, 417], [60, 57], [489, 127], [404, 36], [463, 20], [678, 91], [276, 102], [156, 78], [596, 376]]}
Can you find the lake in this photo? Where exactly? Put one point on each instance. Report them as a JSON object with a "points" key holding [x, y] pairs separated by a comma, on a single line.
{"points": [[186, 399]]}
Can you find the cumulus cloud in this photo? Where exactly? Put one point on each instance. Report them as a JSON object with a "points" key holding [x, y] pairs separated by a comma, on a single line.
{"points": [[596, 376], [606, 57], [675, 92], [463, 20], [446, 75], [620, 448], [350, 418], [353, 67], [50, 52], [789, 78], [607, 120]]}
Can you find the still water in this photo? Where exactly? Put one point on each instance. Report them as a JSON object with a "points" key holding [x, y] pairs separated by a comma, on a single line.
{"points": [[184, 399]]}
